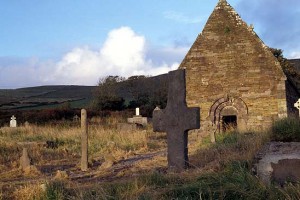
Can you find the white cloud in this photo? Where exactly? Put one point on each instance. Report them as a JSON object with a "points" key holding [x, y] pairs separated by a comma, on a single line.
{"points": [[295, 54], [20, 72], [180, 17], [123, 53], [124, 48]]}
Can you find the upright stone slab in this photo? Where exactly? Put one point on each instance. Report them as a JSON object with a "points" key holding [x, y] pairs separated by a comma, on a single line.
{"points": [[137, 111], [84, 141], [27, 124], [13, 122], [76, 118], [24, 159], [176, 119]]}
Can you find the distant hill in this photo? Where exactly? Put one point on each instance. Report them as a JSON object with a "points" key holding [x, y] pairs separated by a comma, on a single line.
{"points": [[42, 97], [45, 97]]}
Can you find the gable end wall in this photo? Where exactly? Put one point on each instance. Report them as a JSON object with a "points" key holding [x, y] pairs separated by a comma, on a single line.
{"points": [[229, 60]]}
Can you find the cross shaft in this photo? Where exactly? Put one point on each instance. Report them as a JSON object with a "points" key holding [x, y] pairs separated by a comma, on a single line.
{"points": [[176, 119]]}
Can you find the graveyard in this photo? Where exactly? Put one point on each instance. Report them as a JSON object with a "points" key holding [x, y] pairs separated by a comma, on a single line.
{"points": [[126, 165], [96, 158], [223, 125]]}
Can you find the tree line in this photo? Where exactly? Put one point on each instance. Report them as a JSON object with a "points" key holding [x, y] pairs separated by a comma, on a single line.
{"points": [[115, 93]]}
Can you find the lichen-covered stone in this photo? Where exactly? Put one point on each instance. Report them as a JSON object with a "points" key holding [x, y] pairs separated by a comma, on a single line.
{"points": [[176, 119], [24, 159], [84, 140], [278, 161]]}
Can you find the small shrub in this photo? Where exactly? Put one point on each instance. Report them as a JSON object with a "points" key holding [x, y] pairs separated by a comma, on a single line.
{"points": [[228, 138], [286, 130], [227, 30], [56, 190]]}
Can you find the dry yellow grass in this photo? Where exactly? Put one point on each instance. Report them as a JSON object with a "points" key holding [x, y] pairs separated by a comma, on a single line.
{"points": [[107, 140], [29, 192], [103, 140]]}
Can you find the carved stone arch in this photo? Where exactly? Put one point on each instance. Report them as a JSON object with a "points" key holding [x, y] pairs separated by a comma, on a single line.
{"points": [[229, 106], [228, 110]]}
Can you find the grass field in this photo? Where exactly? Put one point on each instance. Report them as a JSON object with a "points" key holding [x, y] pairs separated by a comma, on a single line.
{"points": [[42, 97], [45, 97], [137, 165]]}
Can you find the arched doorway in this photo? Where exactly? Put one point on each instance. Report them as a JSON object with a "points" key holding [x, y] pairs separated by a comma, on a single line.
{"points": [[228, 118], [229, 113]]}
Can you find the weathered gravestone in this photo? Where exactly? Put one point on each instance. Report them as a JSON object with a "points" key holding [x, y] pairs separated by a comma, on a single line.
{"points": [[297, 105], [27, 124], [76, 118], [84, 141], [13, 122], [24, 159], [137, 111], [176, 119], [138, 119]]}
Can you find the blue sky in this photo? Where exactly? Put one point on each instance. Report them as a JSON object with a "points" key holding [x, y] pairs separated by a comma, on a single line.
{"points": [[45, 42]]}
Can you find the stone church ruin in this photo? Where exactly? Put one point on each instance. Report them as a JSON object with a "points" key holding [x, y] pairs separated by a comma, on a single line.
{"points": [[234, 78]]}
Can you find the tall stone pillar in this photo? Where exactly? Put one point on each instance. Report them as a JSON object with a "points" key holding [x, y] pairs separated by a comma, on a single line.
{"points": [[84, 141]]}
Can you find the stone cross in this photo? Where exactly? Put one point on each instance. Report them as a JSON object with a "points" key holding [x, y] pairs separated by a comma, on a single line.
{"points": [[176, 119], [13, 122], [75, 118], [297, 105], [84, 141]]}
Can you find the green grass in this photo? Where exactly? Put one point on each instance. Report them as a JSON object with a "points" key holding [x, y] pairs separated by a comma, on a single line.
{"points": [[234, 182], [286, 130], [56, 190], [46, 97]]}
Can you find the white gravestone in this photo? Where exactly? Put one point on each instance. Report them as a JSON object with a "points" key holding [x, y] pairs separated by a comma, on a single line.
{"points": [[297, 105], [13, 122], [137, 111], [137, 118]]}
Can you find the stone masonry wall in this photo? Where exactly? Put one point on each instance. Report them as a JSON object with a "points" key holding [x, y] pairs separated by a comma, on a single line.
{"points": [[229, 60]]}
